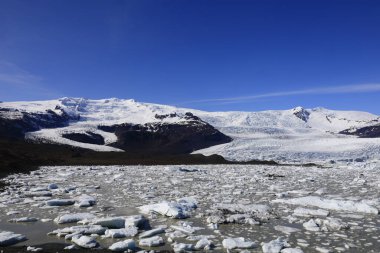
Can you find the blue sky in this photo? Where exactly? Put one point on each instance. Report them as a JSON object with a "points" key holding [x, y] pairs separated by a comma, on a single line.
{"points": [[205, 54]]}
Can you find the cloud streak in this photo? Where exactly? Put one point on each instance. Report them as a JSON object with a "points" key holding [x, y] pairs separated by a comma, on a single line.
{"points": [[17, 83], [359, 88], [11, 74]]}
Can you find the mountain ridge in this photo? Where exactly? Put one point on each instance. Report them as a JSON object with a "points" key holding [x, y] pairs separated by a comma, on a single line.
{"points": [[297, 134]]}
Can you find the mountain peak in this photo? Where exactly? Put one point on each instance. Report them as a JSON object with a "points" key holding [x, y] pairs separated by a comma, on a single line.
{"points": [[301, 113]]}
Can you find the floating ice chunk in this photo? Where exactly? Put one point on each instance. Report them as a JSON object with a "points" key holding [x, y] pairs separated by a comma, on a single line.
{"points": [[292, 250], [185, 228], [286, 230], [70, 236], [188, 203], [239, 213], [170, 209], [69, 189], [135, 221], [282, 194], [311, 225], [240, 208], [323, 250], [9, 238], [52, 186], [85, 200], [110, 222], [70, 247], [331, 204], [199, 237], [333, 224], [175, 234], [123, 245], [299, 211], [41, 198], [152, 232], [204, 244], [238, 243], [237, 218], [85, 229], [275, 246], [24, 219], [121, 233], [213, 226], [182, 247], [320, 191], [85, 241], [13, 212], [151, 241], [60, 202], [33, 249], [38, 189], [38, 194], [359, 181], [73, 217], [329, 224], [216, 219]]}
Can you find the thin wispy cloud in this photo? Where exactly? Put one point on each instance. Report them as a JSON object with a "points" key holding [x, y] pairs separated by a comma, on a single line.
{"points": [[359, 88], [11, 74], [17, 82]]}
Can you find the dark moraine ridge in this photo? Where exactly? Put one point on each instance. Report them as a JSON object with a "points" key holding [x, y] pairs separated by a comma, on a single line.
{"points": [[18, 156]]}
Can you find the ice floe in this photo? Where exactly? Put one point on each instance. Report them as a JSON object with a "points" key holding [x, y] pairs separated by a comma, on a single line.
{"points": [[152, 232], [8, 238], [60, 202], [73, 217], [238, 243], [110, 222], [128, 244], [24, 219], [331, 204], [82, 229], [85, 241], [176, 210], [275, 246], [299, 211], [121, 232], [151, 241], [85, 200]]}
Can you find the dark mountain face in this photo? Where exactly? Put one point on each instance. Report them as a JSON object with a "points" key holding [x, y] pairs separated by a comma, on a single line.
{"points": [[169, 138], [364, 132], [15, 127]]}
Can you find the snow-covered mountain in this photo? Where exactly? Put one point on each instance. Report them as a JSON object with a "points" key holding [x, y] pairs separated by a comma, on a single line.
{"points": [[113, 124]]}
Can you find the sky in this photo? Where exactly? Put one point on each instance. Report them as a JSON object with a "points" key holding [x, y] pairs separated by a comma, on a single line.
{"points": [[212, 55]]}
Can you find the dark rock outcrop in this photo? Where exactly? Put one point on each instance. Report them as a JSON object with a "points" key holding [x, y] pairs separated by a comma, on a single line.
{"points": [[171, 138], [14, 123], [87, 137], [364, 132], [301, 113]]}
